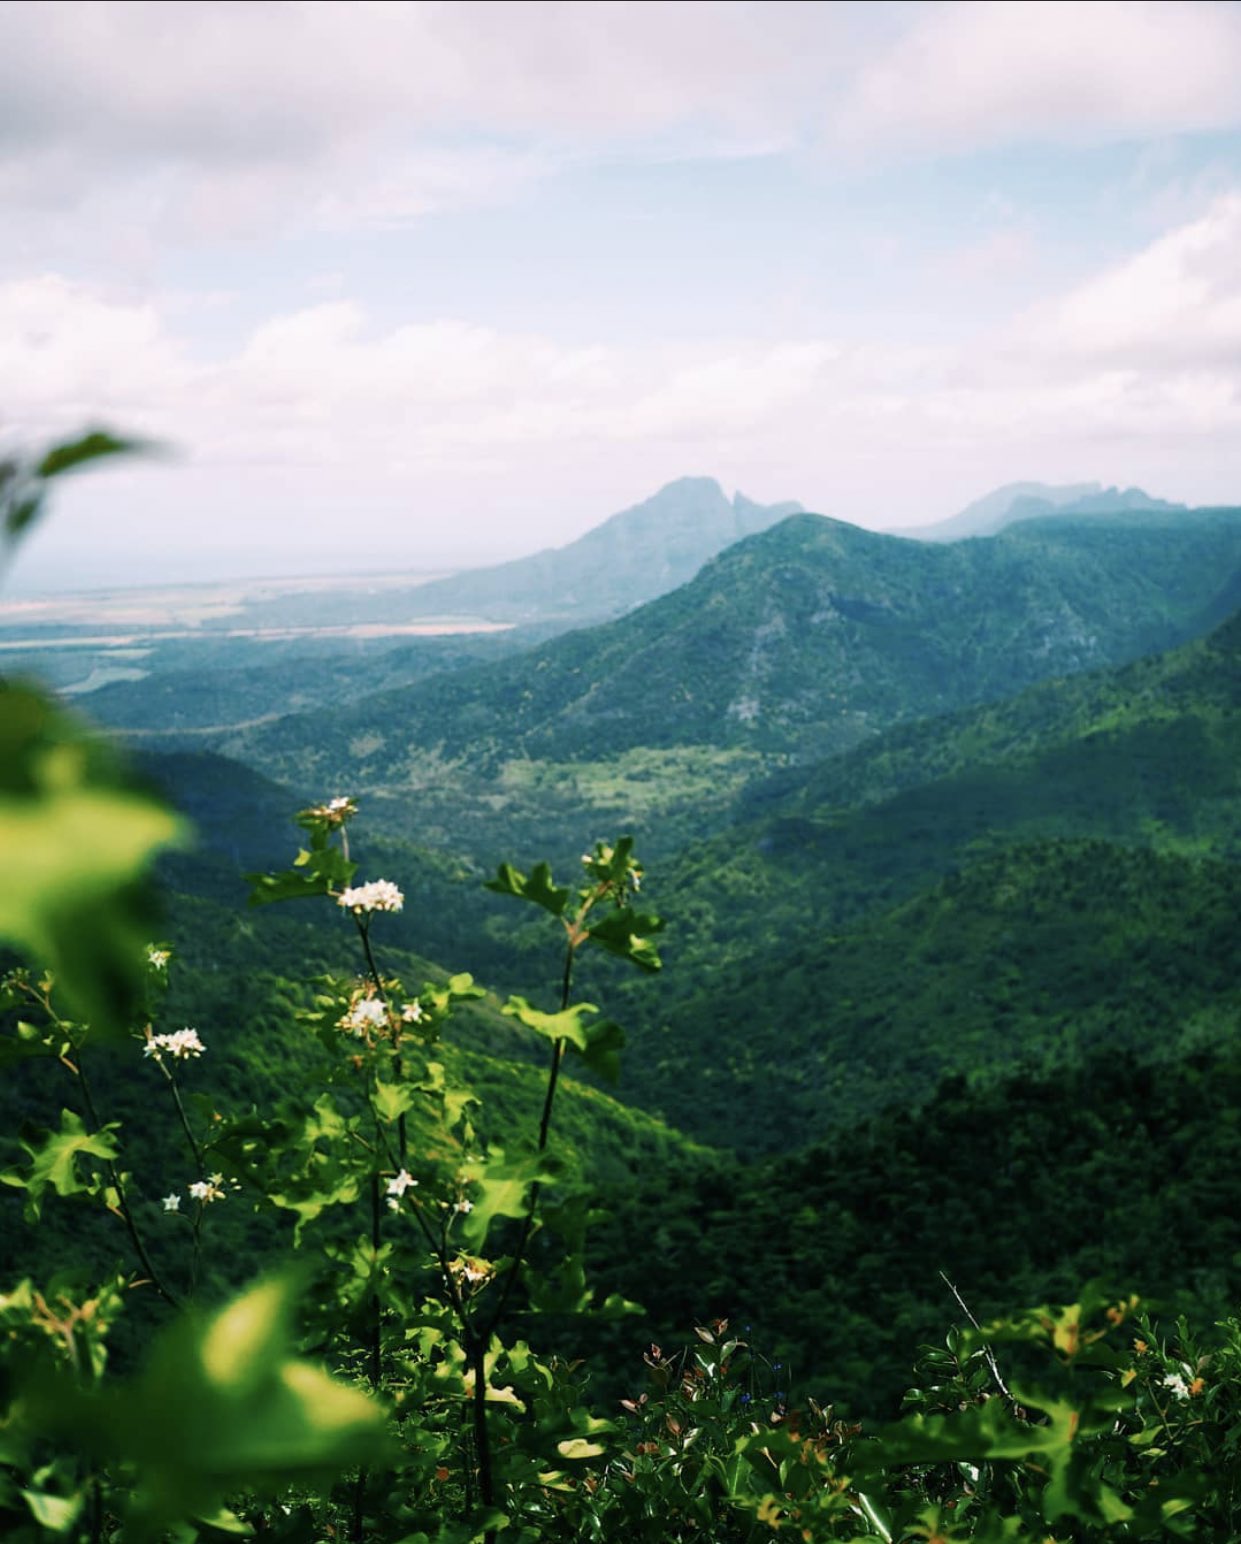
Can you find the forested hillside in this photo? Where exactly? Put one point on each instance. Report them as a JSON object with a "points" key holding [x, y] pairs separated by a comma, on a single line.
{"points": [[802, 641], [991, 932]]}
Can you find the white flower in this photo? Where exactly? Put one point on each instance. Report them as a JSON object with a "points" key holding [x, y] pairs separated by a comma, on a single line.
{"points": [[181, 1045], [398, 1186], [211, 1189], [1176, 1383], [411, 1013], [464, 1205], [365, 1014], [335, 812], [379, 895], [172, 1203], [158, 959], [473, 1272]]}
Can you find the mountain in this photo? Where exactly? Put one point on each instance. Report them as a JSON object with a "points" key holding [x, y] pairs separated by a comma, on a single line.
{"points": [[1046, 878], [801, 641], [1028, 500], [631, 558]]}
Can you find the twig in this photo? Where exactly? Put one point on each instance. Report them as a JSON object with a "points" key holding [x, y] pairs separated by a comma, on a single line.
{"points": [[986, 1349]]}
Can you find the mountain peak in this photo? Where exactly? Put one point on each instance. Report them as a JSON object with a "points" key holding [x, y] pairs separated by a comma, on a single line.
{"points": [[632, 557], [1017, 501], [688, 487]]}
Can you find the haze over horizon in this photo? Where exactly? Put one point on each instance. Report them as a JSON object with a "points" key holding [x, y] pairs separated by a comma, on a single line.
{"points": [[425, 287]]}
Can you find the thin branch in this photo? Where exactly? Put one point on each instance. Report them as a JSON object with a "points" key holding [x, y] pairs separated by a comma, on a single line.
{"points": [[122, 1201], [195, 1149], [986, 1349], [545, 1121]]}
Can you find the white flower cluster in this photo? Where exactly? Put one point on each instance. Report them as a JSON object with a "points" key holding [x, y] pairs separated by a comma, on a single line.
{"points": [[1175, 1382], [379, 895], [158, 959], [181, 1045], [335, 812], [207, 1190], [364, 1015], [397, 1188], [411, 1013]]}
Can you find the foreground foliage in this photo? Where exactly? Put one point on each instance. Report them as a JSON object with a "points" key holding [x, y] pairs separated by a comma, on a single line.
{"points": [[406, 1372], [393, 1387]]}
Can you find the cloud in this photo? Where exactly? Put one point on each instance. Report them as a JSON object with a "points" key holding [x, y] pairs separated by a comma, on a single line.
{"points": [[214, 118], [991, 72], [1176, 304], [327, 413], [144, 124]]}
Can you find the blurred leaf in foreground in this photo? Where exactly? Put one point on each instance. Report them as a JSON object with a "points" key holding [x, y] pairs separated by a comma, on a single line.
{"points": [[74, 844]]}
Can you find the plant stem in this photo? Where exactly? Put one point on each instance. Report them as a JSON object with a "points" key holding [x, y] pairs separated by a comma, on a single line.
{"points": [[376, 1344], [195, 1149], [482, 1436], [200, 1163], [364, 933], [122, 1201], [375, 1370], [992, 1364]]}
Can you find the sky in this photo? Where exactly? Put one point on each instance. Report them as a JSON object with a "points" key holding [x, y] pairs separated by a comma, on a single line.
{"points": [[437, 284]]}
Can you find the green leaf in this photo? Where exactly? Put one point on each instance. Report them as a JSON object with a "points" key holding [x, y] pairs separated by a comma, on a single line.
{"points": [[316, 871], [224, 1521], [566, 1025], [21, 514], [503, 1187], [74, 842], [91, 447], [538, 888], [53, 1161], [392, 1100], [27, 1040], [314, 1200], [627, 934], [55, 1513], [222, 1405], [598, 1043], [579, 1447], [987, 1431]]}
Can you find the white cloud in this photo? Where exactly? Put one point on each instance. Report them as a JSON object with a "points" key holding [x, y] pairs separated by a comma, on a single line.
{"points": [[1177, 303], [990, 72], [132, 125], [67, 352], [210, 118], [325, 413]]}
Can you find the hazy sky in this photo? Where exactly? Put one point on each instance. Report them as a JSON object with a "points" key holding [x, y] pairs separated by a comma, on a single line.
{"points": [[432, 284]]}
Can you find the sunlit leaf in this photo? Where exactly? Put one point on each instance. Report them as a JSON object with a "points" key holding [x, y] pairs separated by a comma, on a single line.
{"points": [[74, 843], [627, 934], [54, 1158], [538, 887], [597, 1041], [55, 1513]]}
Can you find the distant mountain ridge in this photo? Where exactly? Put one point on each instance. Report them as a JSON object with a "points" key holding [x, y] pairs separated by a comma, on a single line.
{"points": [[805, 640], [1016, 501], [635, 555]]}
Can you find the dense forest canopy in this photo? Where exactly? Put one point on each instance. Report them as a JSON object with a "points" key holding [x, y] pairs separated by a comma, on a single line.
{"points": [[918, 1007]]}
